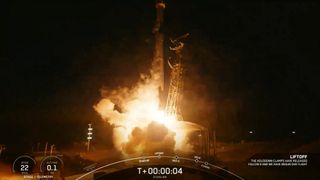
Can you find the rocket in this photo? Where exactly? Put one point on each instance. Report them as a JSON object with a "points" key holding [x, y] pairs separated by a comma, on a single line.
{"points": [[158, 57]]}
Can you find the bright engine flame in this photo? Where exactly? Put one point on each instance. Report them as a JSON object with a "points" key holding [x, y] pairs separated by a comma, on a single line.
{"points": [[141, 126]]}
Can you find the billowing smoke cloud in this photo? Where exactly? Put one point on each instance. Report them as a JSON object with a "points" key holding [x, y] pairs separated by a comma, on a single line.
{"points": [[139, 125], [153, 138]]}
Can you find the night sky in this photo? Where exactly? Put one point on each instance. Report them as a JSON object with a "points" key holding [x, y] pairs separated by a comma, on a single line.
{"points": [[249, 65]]}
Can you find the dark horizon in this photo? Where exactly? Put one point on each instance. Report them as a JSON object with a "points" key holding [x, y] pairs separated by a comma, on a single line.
{"points": [[249, 66]]}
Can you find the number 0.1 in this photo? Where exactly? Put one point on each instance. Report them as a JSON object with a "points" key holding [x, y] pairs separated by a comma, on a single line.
{"points": [[52, 167]]}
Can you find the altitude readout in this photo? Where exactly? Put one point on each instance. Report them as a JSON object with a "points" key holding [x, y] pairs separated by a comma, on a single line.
{"points": [[160, 170], [51, 165]]}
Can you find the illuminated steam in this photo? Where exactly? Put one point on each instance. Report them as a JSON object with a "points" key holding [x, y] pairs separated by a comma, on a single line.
{"points": [[140, 126]]}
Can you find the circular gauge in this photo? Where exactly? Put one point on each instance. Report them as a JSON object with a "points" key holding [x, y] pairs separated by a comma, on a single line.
{"points": [[51, 165], [24, 164]]}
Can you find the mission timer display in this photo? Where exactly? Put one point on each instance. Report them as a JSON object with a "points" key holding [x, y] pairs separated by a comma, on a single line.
{"points": [[160, 170]]}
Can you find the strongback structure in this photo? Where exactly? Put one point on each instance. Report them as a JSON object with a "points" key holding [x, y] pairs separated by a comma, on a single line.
{"points": [[176, 81]]}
